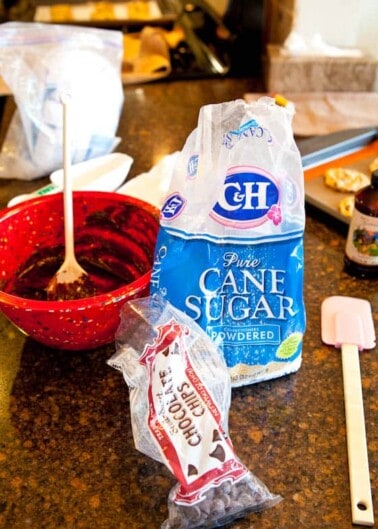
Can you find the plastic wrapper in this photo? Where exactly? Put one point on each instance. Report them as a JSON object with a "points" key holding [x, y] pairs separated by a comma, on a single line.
{"points": [[41, 62], [180, 394], [232, 225]]}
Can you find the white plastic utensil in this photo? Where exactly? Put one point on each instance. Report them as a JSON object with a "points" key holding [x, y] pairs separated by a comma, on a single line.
{"points": [[104, 173], [347, 322], [71, 281]]}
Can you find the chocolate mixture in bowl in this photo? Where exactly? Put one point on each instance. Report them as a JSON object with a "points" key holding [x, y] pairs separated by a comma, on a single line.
{"points": [[114, 246]]}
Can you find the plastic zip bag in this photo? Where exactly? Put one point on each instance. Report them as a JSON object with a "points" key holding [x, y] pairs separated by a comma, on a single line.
{"points": [[180, 394], [40, 62]]}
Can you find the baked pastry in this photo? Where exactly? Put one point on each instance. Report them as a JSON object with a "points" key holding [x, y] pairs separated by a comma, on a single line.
{"points": [[373, 165], [346, 206], [103, 11], [346, 180], [61, 13], [139, 10]]}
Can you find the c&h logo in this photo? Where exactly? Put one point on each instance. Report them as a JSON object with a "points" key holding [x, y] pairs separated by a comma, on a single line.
{"points": [[250, 197]]}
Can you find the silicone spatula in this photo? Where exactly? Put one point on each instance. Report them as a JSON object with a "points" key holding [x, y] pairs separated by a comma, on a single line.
{"points": [[347, 322]]}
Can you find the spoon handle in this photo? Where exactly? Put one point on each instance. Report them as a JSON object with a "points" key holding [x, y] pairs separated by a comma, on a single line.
{"points": [[67, 186], [359, 476]]}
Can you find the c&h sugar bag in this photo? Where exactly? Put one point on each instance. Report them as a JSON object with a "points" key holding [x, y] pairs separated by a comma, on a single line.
{"points": [[230, 246]]}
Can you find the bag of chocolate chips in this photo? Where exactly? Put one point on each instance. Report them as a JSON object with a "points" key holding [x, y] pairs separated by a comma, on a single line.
{"points": [[230, 246], [180, 393]]}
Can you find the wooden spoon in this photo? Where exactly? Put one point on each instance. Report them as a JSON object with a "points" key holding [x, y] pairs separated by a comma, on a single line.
{"points": [[71, 281]]}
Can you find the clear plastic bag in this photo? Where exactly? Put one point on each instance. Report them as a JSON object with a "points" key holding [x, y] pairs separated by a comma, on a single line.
{"points": [[40, 62], [180, 394]]}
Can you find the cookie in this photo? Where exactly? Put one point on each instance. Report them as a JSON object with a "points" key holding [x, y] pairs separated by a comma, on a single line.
{"points": [[347, 180], [346, 206], [374, 165], [61, 13], [103, 11]]}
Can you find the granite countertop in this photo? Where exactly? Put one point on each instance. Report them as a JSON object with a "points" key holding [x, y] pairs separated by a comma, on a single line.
{"points": [[67, 456]]}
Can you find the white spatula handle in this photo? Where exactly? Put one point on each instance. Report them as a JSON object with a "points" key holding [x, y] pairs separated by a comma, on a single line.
{"points": [[360, 491]]}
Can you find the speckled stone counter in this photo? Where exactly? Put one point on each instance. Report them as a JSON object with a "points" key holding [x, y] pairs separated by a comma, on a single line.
{"points": [[67, 457]]}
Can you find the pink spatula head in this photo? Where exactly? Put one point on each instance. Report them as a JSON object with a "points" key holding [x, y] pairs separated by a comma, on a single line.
{"points": [[348, 323], [347, 320]]}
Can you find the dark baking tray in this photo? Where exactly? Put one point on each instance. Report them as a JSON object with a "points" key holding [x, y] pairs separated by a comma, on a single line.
{"points": [[353, 149]]}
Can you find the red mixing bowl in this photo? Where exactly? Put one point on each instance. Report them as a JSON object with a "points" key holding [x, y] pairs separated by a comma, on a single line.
{"points": [[116, 229]]}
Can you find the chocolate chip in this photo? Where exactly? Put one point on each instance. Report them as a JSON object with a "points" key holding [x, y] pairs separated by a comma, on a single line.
{"points": [[218, 453], [216, 436], [192, 470]]}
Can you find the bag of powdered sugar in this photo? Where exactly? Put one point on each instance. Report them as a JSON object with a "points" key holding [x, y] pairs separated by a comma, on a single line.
{"points": [[230, 246]]}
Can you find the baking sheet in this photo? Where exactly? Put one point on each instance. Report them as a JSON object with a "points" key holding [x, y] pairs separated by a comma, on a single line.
{"points": [[104, 13], [327, 199]]}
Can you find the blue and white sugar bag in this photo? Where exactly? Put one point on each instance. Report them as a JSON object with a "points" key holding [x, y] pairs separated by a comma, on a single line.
{"points": [[230, 246]]}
